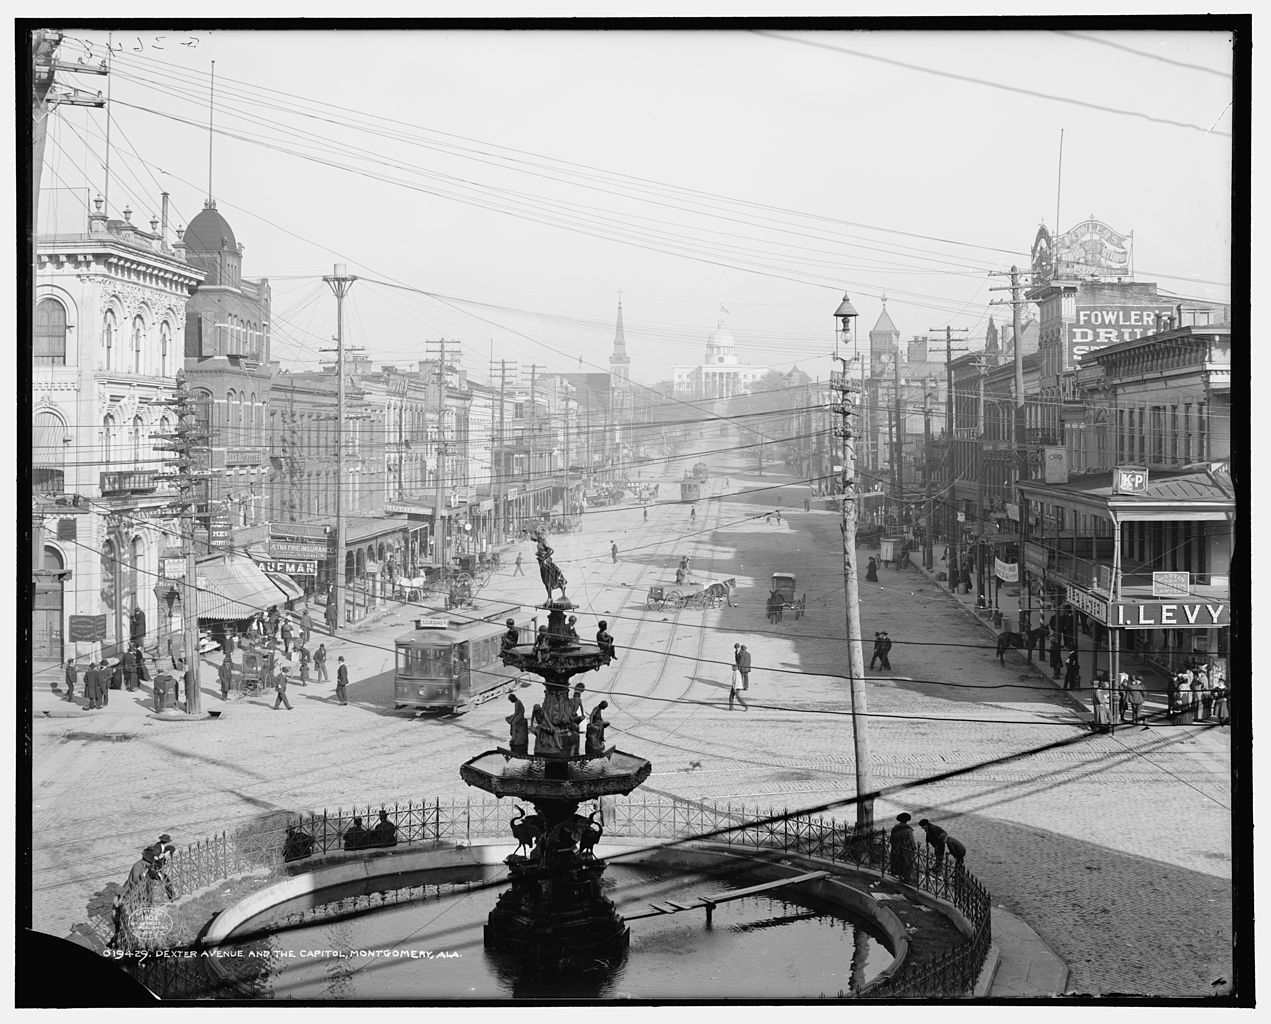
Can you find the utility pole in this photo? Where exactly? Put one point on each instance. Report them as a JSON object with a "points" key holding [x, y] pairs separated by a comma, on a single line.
{"points": [[530, 503], [1021, 451], [340, 281], [188, 445], [951, 521], [928, 557], [846, 408], [500, 454], [898, 446], [439, 519]]}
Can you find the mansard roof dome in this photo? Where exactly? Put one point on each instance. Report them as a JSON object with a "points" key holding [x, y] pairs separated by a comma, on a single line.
{"points": [[209, 231]]}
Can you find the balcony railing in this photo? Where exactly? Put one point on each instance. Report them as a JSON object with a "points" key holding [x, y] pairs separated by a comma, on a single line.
{"points": [[137, 481]]}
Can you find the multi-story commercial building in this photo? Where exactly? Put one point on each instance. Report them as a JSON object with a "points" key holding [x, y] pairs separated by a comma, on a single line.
{"points": [[110, 310], [227, 362]]}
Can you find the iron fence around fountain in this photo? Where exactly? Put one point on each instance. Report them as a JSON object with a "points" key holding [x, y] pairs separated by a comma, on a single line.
{"points": [[269, 852]]}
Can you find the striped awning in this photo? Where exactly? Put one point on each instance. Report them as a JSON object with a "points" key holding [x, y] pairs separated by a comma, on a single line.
{"points": [[286, 584], [235, 588]]}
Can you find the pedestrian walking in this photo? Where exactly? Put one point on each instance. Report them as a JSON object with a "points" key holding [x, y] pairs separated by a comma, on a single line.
{"points": [[737, 655], [904, 851], [646, 513], [692, 513], [743, 667], [613, 552], [330, 617], [807, 504], [1221, 715], [1072, 672], [519, 569], [1099, 702], [734, 692], [306, 626], [130, 669], [304, 665], [871, 571], [90, 686], [226, 676], [936, 837], [342, 682], [1136, 696], [71, 678], [320, 663], [1056, 662], [882, 647], [778, 513], [280, 687]]}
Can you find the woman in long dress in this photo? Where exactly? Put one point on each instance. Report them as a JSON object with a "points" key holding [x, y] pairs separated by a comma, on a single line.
{"points": [[1100, 701], [904, 850]]}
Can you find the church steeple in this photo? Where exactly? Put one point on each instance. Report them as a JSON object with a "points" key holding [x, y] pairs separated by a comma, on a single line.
{"points": [[619, 362]]}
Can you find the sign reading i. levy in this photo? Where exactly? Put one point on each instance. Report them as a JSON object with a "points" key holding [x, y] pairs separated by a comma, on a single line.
{"points": [[1170, 614]]}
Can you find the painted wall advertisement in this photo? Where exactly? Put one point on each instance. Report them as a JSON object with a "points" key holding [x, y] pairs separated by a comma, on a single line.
{"points": [[1096, 327]]}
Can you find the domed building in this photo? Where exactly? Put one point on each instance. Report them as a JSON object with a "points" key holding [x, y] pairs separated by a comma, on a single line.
{"points": [[720, 374]]}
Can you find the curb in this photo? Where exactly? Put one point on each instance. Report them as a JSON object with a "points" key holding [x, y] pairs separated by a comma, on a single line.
{"points": [[1086, 714]]}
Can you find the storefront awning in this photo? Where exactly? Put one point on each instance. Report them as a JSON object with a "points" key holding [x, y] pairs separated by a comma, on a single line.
{"points": [[286, 584], [234, 588]]}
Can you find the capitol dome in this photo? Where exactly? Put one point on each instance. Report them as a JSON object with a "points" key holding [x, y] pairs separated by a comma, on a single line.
{"points": [[720, 347], [209, 231]]}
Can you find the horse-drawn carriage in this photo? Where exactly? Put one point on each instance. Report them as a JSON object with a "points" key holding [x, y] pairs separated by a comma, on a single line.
{"points": [[709, 595]]}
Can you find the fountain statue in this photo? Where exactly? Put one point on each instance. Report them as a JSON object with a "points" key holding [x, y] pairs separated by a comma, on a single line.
{"points": [[554, 914]]}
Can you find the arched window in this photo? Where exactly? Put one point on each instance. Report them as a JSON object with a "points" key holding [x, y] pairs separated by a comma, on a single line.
{"points": [[108, 439], [50, 333], [165, 344], [138, 336], [230, 395], [138, 431], [49, 456], [110, 339], [253, 423]]}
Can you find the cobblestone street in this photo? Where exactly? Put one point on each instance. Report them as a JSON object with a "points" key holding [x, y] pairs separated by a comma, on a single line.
{"points": [[1103, 846]]}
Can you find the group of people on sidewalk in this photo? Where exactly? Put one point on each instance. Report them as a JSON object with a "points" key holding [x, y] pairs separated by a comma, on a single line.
{"points": [[903, 862], [1201, 690]]}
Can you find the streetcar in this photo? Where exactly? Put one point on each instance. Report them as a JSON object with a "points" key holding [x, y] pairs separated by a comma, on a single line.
{"points": [[450, 662]]}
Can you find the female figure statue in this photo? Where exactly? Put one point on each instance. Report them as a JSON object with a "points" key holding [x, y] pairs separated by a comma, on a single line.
{"points": [[551, 575], [596, 731]]}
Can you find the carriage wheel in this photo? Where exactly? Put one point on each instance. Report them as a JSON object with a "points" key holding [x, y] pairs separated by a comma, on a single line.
{"points": [[675, 599]]}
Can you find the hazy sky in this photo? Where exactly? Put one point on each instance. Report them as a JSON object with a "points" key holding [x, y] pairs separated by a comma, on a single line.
{"points": [[523, 178]]}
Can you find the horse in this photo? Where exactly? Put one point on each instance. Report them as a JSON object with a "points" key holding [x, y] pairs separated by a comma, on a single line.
{"points": [[1007, 640]]}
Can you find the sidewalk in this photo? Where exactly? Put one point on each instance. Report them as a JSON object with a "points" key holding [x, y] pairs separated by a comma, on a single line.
{"points": [[1026, 967], [1009, 605]]}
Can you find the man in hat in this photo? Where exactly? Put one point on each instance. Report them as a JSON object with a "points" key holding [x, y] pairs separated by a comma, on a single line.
{"points": [[320, 663], [743, 666], [306, 626], [936, 838], [71, 677], [280, 687], [90, 687], [613, 552], [885, 650], [226, 676], [341, 682]]}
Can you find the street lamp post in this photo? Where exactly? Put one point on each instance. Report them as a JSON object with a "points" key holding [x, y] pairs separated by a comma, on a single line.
{"points": [[848, 392]]}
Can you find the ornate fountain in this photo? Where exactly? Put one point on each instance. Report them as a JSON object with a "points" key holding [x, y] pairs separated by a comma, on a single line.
{"points": [[554, 914]]}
